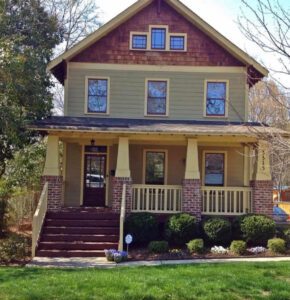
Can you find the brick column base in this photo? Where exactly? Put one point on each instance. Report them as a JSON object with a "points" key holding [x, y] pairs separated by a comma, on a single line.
{"points": [[54, 200], [117, 193], [191, 197], [262, 197]]}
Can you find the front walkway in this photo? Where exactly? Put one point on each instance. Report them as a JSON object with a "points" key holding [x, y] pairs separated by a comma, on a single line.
{"points": [[101, 262]]}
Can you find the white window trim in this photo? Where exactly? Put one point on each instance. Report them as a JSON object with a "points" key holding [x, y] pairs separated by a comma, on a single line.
{"points": [[227, 82], [204, 152], [165, 166], [184, 35], [146, 97], [86, 95], [167, 41]]}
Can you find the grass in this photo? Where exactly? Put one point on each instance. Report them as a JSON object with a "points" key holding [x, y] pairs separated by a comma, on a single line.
{"points": [[209, 281]]}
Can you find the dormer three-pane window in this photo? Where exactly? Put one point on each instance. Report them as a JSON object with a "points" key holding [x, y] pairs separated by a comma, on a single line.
{"points": [[158, 38], [157, 98], [97, 95], [216, 98], [139, 41]]}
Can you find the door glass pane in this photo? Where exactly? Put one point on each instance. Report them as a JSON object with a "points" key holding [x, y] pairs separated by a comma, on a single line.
{"points": [[214, 169], [155, 168], [95, 171]]}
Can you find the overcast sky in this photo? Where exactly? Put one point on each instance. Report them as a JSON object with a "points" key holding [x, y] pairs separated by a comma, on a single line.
{"points": [[221, 14]]}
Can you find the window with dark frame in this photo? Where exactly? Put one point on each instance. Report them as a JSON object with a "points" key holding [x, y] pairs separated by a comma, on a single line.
{"points": [[156, 97], [139, 41], [158, 38], [155, 167], [214, 169], [216, 95], [97, 95], [176, 42]]}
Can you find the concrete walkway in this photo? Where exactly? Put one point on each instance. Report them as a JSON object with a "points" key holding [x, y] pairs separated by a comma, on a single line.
{"points": [[80, 262]]}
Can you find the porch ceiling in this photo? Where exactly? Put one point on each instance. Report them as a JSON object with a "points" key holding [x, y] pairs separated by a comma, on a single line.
{"points": [[149, 126]]}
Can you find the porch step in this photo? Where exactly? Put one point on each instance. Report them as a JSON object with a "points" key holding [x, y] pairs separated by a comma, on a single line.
{"points": [[71, 253], [82, 223], [79, 238], [77, 245], [79, 232]]}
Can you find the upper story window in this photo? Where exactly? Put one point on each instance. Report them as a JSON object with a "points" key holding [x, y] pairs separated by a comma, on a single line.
{"points": [[158, 38], [139, 41], [97, 95], [177, 42], [156, 98], [216, 98]]}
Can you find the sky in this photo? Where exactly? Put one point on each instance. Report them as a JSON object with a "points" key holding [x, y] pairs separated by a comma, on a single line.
{"points": [[220, 14]]}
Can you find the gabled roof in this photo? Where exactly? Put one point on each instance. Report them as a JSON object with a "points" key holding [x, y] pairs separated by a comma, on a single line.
{"points": [[179, 7]]}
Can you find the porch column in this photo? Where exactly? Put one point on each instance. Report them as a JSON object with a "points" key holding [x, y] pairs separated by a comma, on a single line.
{"points": [[122, 176], [262, 184], [52, 174], [191, 200]]}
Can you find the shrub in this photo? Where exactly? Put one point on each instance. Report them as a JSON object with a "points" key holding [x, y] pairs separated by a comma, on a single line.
{"points": [[286, 236], [217, 230], [14, 248], [181, 228], [257, 229], [238, 247], [277, 245], [195, 246], [143, 227], [158, 246]]}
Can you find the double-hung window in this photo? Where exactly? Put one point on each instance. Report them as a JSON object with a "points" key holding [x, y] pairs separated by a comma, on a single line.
{"points": [[216, 98], [97, 95], [157, 98]]}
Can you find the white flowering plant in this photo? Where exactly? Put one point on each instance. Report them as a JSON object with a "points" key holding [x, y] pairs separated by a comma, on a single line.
{"points": [[219, 250], [257, 250]]}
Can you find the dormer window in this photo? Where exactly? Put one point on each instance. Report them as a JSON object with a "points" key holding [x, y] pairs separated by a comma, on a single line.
{"points": [[177, 42], [158, 38], [139, 41]]}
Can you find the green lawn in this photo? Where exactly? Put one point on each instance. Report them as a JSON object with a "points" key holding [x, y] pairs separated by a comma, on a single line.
{"points": [[211, 281]]}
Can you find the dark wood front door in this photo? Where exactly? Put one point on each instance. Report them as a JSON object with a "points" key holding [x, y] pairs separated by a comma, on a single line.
{"points": [[95, 178]]}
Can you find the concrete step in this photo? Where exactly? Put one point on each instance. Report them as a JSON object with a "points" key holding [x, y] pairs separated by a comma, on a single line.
{"points": [[76, 245], [79, 237]]}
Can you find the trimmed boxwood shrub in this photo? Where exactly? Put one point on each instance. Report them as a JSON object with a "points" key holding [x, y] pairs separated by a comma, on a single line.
{"points": [[158, 246], [180, 228], [143, 227], [238, 247], [195, 246], [217, 231], [277, 245], [258, 229]]}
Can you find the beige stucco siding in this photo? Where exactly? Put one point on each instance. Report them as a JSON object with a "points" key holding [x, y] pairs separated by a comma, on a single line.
{"points": [[73, 175], [127, 93]]}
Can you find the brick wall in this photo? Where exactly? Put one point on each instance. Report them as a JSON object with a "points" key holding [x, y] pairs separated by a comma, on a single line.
{"points": [[54, 192], [262, 198], [114, 48], [191, 202], [117, 193]]}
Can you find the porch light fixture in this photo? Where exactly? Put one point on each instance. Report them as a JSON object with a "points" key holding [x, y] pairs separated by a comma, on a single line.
{"points": [[92, 142]]}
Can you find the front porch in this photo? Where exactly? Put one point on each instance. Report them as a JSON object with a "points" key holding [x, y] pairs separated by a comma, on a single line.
{"points": [[163, 174]]}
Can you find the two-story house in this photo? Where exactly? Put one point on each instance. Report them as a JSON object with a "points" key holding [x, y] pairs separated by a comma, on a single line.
{"points": [[155, 113]]}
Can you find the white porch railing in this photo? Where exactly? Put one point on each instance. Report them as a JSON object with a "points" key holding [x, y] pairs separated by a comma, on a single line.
{"points": [[39, 217], [156, 198], [226, 200], [122, 219]]}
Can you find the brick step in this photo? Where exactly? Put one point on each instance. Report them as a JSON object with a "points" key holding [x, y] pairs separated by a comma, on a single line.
{"points": [[72, 253], [86, 215], [79, 237], [76, 246], [82, 223], [80, 230]]}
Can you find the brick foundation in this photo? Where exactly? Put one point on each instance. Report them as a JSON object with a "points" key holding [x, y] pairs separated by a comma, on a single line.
{"points": [[54, 201], [191, 201], [117, 193], [262, 196]]}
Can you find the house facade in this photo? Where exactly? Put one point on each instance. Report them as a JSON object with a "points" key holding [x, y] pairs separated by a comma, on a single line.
{"points": [[156, 111]]}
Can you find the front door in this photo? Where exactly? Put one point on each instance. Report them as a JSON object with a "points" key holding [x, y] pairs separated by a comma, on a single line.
{"points": [[95, 180]]}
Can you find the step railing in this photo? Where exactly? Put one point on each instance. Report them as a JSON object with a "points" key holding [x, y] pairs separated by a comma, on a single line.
{"points": [[156, 198], [122, 219], [226, 200], [38, 218]]}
